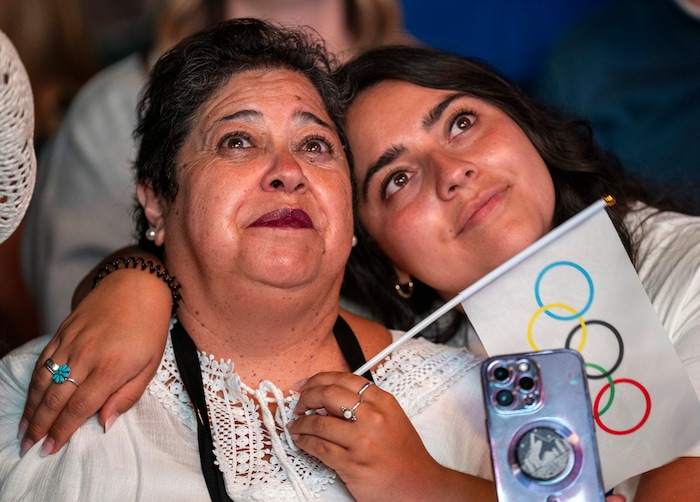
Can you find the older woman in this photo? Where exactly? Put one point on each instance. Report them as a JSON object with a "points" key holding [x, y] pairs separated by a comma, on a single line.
{"points": [[81, 208], [245, 189]]}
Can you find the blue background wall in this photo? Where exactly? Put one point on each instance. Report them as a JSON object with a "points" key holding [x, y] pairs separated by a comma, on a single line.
{"points": [[512, 35]]}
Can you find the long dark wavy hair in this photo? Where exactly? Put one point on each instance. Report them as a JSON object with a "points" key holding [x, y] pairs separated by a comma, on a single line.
{"points": [[190, 73], [581, 171]]}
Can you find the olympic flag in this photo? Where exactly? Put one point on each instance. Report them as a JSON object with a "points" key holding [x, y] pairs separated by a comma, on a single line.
{"points": [[577, 288]]}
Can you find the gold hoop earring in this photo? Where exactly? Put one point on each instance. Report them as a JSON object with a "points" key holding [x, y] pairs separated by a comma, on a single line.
{"points": [[404, 290]]}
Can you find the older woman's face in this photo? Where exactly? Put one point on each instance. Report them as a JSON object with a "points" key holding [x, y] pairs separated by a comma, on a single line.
{"points": [[449, 185], [264, 187]]}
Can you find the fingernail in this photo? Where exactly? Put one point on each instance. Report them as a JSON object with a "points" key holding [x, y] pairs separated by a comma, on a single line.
{"points": [[301, 383], [23, 425], [110, 421], [46, 448], [25, 447]]}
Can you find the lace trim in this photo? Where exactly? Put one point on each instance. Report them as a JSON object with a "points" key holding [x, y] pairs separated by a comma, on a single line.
{"points": [[258, 459], [420, 372]]}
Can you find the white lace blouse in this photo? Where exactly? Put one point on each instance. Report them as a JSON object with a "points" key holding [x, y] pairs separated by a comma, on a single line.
{"points": [[151, 452]]}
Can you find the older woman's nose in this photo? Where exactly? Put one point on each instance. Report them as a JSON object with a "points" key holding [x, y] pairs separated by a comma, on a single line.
{"points": [[285, 174], [451, 174]]}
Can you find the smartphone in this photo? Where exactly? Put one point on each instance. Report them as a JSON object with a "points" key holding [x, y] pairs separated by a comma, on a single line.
{"points": [[540, 427]]}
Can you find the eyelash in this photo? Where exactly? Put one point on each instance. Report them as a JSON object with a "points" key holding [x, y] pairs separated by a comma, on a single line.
{"points": [[388, 179], [461, 113], [321, 138], [247, 138], [234, 136]]}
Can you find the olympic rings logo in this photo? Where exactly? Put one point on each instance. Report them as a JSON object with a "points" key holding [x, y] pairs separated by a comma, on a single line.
{"points": [[576, 314]]}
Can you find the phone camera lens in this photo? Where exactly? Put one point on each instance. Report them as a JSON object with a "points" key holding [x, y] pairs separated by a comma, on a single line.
{"points": [[526, 383], [504, 398], [501, 373]]}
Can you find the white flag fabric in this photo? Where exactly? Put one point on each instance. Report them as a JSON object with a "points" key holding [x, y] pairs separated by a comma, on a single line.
{"points": [[577, 288]]}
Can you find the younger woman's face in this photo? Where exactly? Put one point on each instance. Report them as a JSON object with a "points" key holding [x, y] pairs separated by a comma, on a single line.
{"points": [[449, 185]]}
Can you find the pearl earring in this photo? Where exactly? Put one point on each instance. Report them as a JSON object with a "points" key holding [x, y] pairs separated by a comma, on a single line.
{"points": [[151, 234], [354, 241]]}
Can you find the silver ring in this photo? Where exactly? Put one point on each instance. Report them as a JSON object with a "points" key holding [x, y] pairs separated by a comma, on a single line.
{"points": [[349, 413], [73, 382], [365, 387], [51, 366]]}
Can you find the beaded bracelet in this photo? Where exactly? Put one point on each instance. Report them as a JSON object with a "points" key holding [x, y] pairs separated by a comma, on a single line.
{"points": [[134, 263]]}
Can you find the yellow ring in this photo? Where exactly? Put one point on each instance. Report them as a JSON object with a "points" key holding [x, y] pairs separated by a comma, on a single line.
{"points": [[530, 337]]}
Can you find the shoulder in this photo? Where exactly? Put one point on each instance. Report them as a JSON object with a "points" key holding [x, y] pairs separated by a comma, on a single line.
{"points": [[373, 337], [668, 263], [664, 237], [439, 389], [421, 372]]}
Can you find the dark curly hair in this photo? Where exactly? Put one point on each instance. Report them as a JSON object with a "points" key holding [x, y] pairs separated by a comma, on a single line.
{"points": [[581, 171], [189, 74]]}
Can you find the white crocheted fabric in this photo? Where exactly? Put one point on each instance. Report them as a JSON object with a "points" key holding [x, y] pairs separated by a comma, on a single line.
{"points": [[17, 157], [258, 459]]}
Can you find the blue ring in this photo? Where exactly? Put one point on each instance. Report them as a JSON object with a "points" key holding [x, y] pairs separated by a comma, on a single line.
{"points": [[61, 374], [585, 275]]}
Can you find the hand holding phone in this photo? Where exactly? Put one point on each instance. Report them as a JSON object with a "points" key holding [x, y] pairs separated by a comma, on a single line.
{"points": [[540, 426]]}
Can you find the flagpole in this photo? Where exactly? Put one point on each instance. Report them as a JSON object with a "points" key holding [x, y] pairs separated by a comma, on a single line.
{"points": [[557, 232]]}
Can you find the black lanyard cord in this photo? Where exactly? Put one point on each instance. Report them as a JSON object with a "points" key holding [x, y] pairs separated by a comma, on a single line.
{"points": [[187, 359]]}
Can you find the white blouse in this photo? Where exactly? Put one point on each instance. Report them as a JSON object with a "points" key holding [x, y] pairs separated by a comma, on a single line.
{"points": [[151, 452]]}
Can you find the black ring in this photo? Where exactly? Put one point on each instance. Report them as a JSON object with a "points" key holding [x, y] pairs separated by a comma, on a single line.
{"points": [[619, 342]]}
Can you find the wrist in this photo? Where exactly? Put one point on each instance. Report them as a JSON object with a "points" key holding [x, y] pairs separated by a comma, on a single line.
{"points": [[145, 265]]}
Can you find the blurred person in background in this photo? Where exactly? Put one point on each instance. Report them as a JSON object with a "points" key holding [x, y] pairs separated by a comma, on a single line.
{"points": [[53, 41], [633, 70], [59, 44], [50, 40]]}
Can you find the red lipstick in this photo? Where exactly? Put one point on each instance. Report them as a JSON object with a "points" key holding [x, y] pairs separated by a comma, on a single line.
{"points": [[291, 218]]}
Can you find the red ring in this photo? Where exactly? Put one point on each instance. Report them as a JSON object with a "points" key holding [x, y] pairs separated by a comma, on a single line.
{"points": [[641, 422]]}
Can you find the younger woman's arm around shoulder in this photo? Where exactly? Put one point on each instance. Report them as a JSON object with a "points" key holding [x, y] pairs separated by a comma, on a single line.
{"points": [[112, 342]]}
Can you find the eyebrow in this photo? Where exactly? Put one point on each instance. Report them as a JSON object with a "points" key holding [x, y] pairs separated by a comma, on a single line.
{"points": [[245, 115], [393, 152], [436, 112], [310, 117], [301, 116], [386, 158]]}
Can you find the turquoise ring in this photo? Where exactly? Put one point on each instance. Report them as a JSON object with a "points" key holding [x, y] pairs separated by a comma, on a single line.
{"points": [[60, 373]]}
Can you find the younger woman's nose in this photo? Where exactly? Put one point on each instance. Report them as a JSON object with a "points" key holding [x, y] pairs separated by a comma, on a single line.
{"points": [[452, 174]]}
